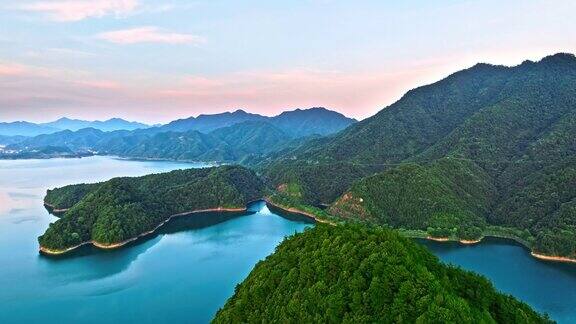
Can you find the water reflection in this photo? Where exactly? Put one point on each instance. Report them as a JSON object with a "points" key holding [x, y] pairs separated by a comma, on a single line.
{"points": [[91, 263]]}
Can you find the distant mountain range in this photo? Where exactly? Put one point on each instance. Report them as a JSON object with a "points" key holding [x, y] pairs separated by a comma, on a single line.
{"points": [[230, 137], [296, 123], [208, 123], [106, 126], [23, 128]]}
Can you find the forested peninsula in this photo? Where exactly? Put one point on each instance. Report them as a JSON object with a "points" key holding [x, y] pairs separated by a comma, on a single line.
{"points": [[113, 213]]}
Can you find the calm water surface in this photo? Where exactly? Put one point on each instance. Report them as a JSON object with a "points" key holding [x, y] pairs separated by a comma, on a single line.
{"points": [[183, 274], [548, 287]]}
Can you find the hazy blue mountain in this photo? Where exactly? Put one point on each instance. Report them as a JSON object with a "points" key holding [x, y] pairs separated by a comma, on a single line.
{"points": [[84, 139], [22, 128], [296, 123], [208, 123], [252, 137], [107, 125], [7, 140], [232, 137], [230, 144], [191, 145], [313, 121]]}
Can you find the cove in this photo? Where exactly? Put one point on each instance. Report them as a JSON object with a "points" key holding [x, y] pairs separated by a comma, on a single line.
{"points": [[549, 287], [182, 273]]}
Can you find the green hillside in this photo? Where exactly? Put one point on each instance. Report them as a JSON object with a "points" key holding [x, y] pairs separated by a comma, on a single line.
{"points": [[67, 196], [447, 198], [509, 131], [353, 274]]}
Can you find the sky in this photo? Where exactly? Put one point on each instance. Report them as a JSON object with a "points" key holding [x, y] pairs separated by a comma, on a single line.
{"points": [[155, 61]]}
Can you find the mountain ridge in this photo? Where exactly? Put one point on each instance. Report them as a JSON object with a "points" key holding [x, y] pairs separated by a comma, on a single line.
{"points": [[297, 123], [513, 126], [108, 125]]}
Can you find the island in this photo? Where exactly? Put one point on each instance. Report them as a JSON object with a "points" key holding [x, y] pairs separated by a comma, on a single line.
{"points": [[113, 213], [360, 274]]}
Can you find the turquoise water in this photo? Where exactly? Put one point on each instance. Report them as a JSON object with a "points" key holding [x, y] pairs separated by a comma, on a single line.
{"points": [[548, 287], [183, 274]]}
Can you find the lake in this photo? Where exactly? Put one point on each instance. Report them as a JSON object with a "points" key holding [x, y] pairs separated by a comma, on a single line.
{"points": [[190, 268], [183, 274], [548, 287]]}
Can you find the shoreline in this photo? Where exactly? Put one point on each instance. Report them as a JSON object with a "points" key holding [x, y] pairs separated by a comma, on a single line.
{"points": [[447, 239], [553, 258], [151, 159], [438, 239], [539, 256], [543, 257], [117, 245], [470, 242], [299, 212], [54, 210]]}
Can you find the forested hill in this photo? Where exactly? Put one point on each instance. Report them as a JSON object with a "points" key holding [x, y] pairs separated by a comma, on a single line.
{"points": [[353, 274], [511, 129], [121, 209], [228, 144]]}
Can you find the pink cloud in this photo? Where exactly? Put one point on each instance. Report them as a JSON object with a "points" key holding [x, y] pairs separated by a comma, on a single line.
{"points": [[356, 93], [10, 69], [148, 34], [47, 94], [75, 10]]}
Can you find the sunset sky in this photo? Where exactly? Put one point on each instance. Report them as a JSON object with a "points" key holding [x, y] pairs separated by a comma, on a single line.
{"points": [[155, 61]]}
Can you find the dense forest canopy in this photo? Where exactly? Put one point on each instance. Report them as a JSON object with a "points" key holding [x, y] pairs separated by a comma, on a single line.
{"points": [[449, 197], [355, 274]]}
